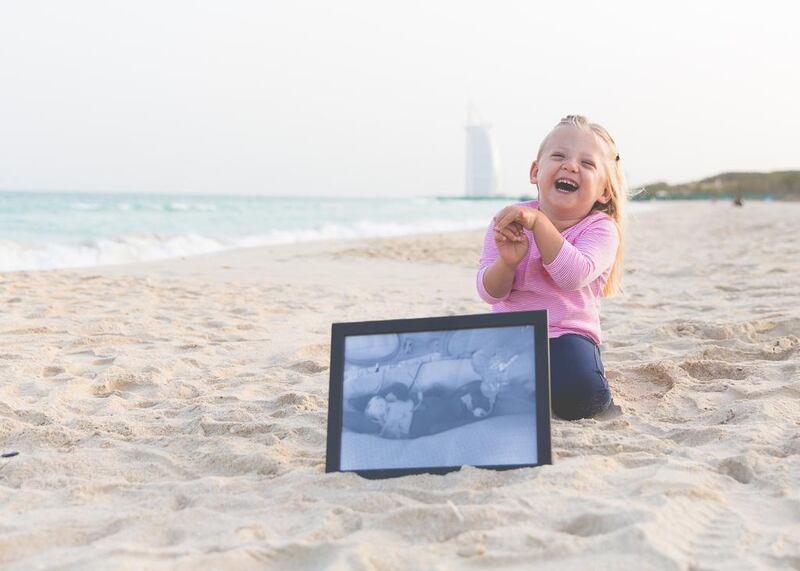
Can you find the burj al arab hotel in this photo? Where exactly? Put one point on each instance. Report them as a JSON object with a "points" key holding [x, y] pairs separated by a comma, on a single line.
{"points": [[483, 169]]}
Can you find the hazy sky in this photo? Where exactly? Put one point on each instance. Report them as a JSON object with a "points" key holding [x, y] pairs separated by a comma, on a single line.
{"points": [[370, 97]]}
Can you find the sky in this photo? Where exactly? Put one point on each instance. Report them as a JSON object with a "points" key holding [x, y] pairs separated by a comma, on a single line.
{"points": [[370, 98]]}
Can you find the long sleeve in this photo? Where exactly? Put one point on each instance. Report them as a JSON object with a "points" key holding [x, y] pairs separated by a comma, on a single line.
{"points": [[569, 288], [583, 261], [488, 256]]}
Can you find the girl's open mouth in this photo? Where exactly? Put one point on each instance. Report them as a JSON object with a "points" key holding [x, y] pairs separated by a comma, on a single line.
{"points": [[566, 185]]}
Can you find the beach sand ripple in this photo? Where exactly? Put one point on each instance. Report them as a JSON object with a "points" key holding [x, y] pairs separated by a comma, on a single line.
{"points": [[173, 415]]}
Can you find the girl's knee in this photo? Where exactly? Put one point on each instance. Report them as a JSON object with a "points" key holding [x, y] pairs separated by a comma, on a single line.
{"points": [[581, 404], [578, 383]]}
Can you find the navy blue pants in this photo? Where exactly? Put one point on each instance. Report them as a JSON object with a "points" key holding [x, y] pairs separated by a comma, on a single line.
{"points": [[578, 385]]}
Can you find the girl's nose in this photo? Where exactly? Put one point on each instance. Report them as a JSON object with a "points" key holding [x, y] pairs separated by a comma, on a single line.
{"points": [[571, 165]]}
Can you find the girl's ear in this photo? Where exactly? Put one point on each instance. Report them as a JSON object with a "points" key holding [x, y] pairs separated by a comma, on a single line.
{"points": [[605, 197], [535, 172]]}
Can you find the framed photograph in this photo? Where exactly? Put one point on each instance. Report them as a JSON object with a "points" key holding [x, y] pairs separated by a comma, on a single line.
{"points": [[434, 394]]}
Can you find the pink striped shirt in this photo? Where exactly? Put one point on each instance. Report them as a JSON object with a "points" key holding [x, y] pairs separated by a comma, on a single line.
{"points": [[571, 286]]}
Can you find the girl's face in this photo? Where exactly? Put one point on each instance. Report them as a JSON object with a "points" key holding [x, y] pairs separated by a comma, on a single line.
{"points": [[571, 173]]}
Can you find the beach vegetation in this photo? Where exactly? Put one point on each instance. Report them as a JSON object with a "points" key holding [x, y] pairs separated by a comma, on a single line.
{"points": [[780, 185]]}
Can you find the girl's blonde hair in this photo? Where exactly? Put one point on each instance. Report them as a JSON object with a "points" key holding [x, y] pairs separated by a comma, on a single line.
{"points": [[617, 186]]}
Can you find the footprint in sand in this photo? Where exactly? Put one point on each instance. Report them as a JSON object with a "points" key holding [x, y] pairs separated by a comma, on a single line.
{"points": [[740, 468], [179, 502], [589, 525], [53, 371], [242, 311], [33, 417], [780, 349], [190, 347], [786, 327], [707, 370], [308, 367], [300, 401], [647, 382], [115, 379], [91, 362]]}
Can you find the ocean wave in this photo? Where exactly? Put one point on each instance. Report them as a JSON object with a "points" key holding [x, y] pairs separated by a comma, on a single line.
{"points": [[189, 206], [85, 206], [15, 256], [171, 206]]}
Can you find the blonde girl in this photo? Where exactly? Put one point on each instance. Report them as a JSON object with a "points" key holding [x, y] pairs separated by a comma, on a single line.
{"points": [[563, 252]]}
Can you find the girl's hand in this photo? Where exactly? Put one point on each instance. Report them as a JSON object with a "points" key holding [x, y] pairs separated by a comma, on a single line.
{"points": [[525, 216], [512, 244]]}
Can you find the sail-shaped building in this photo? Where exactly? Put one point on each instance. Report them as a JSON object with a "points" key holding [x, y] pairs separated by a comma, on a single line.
{"points": [[482, 172]]}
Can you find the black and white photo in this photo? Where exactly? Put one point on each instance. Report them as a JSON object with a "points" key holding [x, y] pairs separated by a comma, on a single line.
{"points": [[439, 398]]}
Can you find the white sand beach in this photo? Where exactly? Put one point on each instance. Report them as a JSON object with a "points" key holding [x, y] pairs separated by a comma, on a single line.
{"points": [[172, 415]]}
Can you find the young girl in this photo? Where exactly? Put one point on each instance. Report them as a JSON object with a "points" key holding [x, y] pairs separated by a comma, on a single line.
{"points": [[562, 253]]}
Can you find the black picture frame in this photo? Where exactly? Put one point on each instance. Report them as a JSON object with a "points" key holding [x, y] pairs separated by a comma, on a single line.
{"points": [[403, 400]]}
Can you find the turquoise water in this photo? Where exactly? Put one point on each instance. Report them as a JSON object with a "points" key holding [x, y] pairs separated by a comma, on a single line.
{"points": [[56, 230]]}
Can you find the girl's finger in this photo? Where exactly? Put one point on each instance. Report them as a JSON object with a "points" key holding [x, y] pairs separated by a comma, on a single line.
{"points": [[516, 217], [504, 221], [515, 229], [499, 220], [499, 235], [510, 235]]}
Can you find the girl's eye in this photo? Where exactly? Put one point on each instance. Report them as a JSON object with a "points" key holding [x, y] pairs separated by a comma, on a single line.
{"points": [[588, 164], [557, 156]]}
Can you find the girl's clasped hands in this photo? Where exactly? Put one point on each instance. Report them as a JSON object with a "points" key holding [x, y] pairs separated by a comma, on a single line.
{"points": [[509, 237]]}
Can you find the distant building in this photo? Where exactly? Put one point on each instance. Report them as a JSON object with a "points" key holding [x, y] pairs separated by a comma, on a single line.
{"points": [[482, 172]]}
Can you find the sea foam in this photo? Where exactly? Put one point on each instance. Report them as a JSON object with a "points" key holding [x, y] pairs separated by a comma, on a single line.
{"points": [[128, 249]]}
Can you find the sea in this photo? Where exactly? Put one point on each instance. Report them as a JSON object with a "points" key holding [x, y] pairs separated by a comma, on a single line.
{"points": [[40, 231]]}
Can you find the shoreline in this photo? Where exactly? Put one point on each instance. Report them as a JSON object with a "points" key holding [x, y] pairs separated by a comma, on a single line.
{"points": [[149, 243], [351, 243]]}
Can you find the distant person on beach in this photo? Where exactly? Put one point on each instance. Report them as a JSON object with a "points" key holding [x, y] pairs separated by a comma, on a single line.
{"points": [[563, 252]]}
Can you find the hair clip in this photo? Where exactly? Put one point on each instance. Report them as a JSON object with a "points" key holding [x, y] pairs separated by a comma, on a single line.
{"points": [[617, 158]]}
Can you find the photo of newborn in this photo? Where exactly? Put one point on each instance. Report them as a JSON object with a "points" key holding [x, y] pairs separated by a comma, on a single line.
{"points": [[409, 397]]}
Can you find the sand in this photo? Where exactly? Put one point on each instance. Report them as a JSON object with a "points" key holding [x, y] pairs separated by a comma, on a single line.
{"points": [[172, 415]]}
